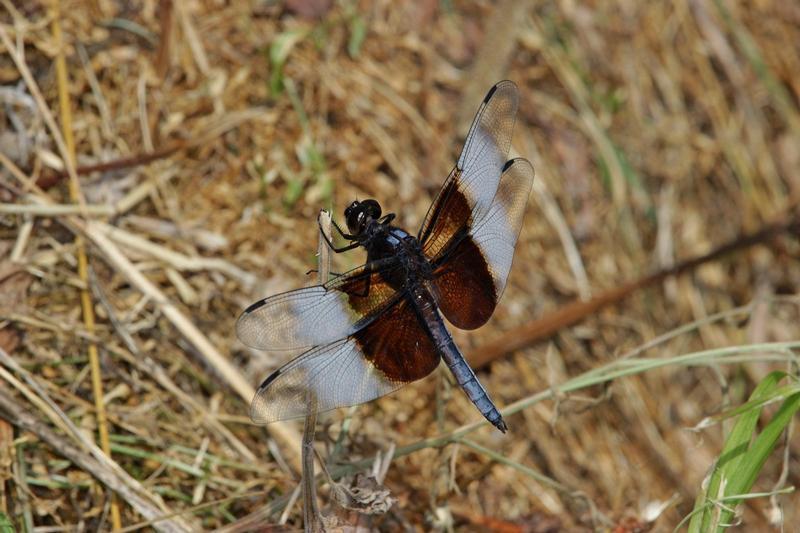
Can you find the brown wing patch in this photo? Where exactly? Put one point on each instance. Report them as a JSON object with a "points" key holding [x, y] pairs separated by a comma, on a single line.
{"points": [[450, 214], [367, 292], [464, 287], [397, 344]]}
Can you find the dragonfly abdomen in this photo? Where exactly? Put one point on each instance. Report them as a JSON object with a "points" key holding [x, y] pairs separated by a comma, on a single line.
{"points": [[454, 359]]}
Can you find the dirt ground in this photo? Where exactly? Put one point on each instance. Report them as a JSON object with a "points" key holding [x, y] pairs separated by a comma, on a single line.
{"points": [[206, 137]]}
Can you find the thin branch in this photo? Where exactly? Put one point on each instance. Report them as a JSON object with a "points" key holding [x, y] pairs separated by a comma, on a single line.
{"points": [[76, 195], [540, 329]]}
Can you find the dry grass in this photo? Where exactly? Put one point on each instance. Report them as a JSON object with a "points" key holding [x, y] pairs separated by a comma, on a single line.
{"points": [[207, 136]]}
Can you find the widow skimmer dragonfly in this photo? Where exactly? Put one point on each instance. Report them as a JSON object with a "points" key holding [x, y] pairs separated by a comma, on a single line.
{"points": [[372, 330]]}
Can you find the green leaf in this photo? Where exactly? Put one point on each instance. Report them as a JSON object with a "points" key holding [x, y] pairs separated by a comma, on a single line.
{"points": [[762, 448], [6, 526], [740, 462], [358, 32], [279, 52], [294, 190]]}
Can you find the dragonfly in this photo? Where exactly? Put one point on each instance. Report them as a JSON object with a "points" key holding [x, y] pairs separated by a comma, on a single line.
{"points": [[374, 329]]}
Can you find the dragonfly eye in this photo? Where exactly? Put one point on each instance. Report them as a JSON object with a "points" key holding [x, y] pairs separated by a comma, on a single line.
{"points": [[354, 216], [372, 208], [348, 211]]}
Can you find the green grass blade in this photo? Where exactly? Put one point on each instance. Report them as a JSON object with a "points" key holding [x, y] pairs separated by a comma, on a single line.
{"points": [[5, 524], [739, 462], [779, 394], [751, 464]]}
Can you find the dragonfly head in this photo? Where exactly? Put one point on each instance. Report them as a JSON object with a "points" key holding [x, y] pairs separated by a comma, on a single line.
{"points": [[359, 215]]}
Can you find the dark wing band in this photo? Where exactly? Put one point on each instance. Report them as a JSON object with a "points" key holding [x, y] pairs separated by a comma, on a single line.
{"points": [[322, 314], [472, 227], [470, 277], [471, 186], [380, 358]]}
